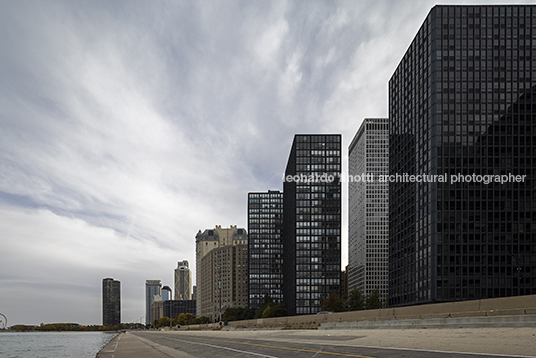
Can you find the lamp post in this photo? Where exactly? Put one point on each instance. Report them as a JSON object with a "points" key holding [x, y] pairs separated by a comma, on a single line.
{"points": [[219, 288]]}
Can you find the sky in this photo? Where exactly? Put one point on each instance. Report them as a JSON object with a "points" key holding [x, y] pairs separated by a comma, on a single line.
{"points": [[127, 126]]}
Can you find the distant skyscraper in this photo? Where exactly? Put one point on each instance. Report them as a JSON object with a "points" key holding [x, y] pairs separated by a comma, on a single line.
{"points": [[462, 105], [206, 241], [312, 223], [265, 223], [152, 288], [166, 293], [183, 281], [368, 208], [111, 302]]}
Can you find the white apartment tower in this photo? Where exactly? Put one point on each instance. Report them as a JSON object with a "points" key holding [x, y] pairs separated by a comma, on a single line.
{"points": [[368, 208]]}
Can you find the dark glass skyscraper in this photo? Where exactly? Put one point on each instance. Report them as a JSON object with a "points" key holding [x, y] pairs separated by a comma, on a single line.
{"points": [[461, 107], [111, 302], [312, 223], [265, 249]]}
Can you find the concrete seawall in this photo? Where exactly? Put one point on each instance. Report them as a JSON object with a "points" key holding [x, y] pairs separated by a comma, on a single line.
{"points": [[494, 312]]}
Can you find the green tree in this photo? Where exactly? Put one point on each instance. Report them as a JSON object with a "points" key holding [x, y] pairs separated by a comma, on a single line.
{"points": [[238, 314], [231, 314], [184, 319], [266, 302], [21, 328], [276, 310], [162, 322], [373, 300], [356, 301], [333, 303], [268, 308], [247, 313], [201, 320]]}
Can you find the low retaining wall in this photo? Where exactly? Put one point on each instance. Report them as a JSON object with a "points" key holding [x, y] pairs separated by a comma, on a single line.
{"points": [[459, 322], [508, 306]]}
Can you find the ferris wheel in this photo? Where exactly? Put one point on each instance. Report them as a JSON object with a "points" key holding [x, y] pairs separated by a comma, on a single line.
{"points": [[3, 321]]}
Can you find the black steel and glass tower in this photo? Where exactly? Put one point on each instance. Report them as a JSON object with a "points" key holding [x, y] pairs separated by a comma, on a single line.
{"points": [[111, 302], [461, 106], [312, 223], [265, 249]]}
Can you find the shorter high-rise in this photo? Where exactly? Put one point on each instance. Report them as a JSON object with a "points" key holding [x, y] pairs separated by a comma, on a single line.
{"points": [[152, 288], [206, 241], [111, 302], [224, 277], [312, 222], [265, 223], [166, 293]]}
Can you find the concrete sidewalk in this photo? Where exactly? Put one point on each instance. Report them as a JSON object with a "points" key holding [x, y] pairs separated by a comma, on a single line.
{"points": [[503, 341], [127, 345]]}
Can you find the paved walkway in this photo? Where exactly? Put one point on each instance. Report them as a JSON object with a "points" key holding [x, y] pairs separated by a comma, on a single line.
{"points": [[126, 345], [508, 342]]}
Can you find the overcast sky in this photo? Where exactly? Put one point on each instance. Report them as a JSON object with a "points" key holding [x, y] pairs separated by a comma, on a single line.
{"points": [[127, 126]]}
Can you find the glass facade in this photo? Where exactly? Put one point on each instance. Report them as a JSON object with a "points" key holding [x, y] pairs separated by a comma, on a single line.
{"points": [[460, 106], [312, 223], [111, 302], [152, 288], [368, 208], [265, 223]]}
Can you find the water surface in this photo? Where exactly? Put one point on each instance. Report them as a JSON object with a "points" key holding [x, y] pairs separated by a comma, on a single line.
{"points": [[53, 344]]}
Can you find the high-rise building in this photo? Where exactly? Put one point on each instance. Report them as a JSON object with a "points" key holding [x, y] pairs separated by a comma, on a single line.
{"points": [[210, 271], [166, 293], [461, 108], [224, 276], [152, 288], [204, 242], [265, 223], [368, 208], [183, 281], [312, 222], [111, 302]]}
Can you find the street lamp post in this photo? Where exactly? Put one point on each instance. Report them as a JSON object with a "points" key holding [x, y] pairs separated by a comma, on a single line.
{"points": [[219, 288]]}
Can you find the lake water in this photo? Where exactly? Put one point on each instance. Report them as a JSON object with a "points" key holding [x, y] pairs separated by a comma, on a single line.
{"points": [[52, 344]]}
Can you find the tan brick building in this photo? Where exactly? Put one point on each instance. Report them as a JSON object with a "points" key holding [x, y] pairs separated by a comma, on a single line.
{"points": [[221, 270]]}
